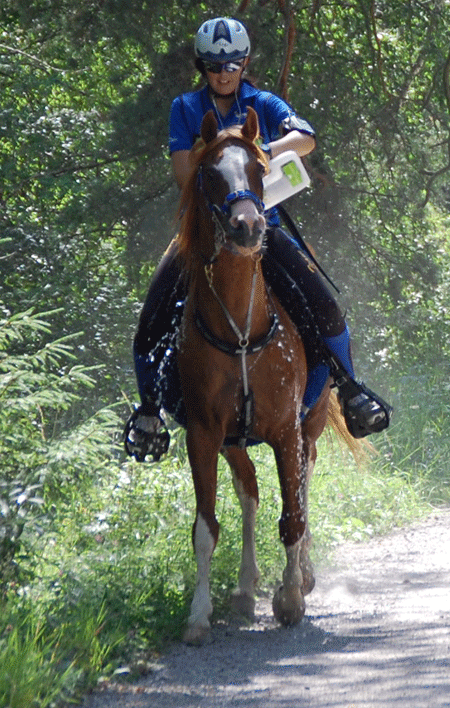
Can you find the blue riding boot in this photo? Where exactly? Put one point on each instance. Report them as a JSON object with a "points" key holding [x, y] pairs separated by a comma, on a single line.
{"points": [[364, 411]]}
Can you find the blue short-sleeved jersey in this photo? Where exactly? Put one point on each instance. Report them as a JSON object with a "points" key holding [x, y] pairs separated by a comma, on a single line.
{"points": [[189, 109]]}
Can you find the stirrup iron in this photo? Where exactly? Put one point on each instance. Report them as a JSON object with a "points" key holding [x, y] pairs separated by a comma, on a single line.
{"points": [[364, 411], [145, 435]]}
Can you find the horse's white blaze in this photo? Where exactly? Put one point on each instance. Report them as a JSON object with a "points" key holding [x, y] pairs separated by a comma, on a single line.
{"points": [[232, 168], [249, 572], [201, 607]]}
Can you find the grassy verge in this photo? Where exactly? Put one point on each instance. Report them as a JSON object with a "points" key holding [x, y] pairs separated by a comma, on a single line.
{"points": [[114, 572]]}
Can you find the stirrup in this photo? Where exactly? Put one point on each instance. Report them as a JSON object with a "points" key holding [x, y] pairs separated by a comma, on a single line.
{"points": [[145, 435], [364, 411]]}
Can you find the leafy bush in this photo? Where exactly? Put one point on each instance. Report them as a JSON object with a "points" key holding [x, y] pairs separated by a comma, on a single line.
{"points": [[38, 387]]}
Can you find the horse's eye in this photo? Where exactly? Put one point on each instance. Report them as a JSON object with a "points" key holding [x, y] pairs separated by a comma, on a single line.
{"points": [[209, 179], [209, 173], [261, 169]]}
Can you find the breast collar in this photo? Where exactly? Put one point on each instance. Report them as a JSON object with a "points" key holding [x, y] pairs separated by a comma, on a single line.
{"points": [[236, 349]]}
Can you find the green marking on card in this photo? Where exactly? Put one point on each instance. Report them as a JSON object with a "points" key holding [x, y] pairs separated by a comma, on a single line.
{"points": [[292, 172]]}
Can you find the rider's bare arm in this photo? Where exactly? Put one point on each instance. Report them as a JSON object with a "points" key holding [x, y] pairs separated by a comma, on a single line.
{"points": [[180, 166], [301, 143]]}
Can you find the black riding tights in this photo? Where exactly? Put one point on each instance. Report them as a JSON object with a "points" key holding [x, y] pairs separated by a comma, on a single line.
{"points": [[283, 256]]}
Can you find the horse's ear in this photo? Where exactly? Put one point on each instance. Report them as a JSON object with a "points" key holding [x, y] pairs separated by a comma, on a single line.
{"points": [[208, 130], [250, 128]]}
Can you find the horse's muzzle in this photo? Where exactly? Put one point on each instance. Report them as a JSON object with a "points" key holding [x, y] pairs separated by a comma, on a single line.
{"points": [[246, 226]]}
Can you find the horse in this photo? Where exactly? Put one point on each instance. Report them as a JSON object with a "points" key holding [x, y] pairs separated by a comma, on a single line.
{"points": [[243, 371]]}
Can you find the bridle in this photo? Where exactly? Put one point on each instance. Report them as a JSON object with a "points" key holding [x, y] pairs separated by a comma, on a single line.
{"points": [[244, 348], [221, 214]]}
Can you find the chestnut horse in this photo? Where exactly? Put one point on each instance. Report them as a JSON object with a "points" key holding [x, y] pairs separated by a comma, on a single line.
{"points": [[242, 368]]}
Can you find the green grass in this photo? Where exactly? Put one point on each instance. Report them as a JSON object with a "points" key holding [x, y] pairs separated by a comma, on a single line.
{"points": [[114, 571], [44, 660]]}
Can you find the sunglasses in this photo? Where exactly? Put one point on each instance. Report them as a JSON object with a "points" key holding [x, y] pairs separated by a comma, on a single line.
{"points": [[228, 66]]}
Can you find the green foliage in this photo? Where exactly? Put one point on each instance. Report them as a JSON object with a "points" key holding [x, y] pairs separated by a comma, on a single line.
{"points": [[45, 665], [95, 558], [87, 195], [39, 386], [28, 677]]}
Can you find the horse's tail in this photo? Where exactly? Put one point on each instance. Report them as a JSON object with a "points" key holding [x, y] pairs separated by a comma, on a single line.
{"points": [[360, 448]]}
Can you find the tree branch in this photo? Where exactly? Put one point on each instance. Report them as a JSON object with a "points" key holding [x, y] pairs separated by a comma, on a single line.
{"points": [[290, 39], [443, 170], [31, 57], [446, 81]]}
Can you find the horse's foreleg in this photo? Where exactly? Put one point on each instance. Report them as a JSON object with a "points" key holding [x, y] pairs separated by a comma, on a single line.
{"points": [[288, 602], [244, 481], [306, 566], [204, 541], [311, 430], [203, 459]]}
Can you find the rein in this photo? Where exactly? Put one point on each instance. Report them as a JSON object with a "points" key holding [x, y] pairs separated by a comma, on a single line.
{"points": [[242, 349]]}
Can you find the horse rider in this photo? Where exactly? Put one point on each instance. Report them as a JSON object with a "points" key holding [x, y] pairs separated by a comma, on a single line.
{"points": [[222, 51]]}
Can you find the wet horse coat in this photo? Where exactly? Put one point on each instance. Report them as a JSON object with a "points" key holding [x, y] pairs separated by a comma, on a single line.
{"points": [[220, 244]]}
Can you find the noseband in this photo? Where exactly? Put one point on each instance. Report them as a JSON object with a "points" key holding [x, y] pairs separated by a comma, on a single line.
{"points": [[237, 196]]}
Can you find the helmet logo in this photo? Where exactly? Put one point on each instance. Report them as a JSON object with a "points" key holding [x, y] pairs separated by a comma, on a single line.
{"points": [[221, 31]]}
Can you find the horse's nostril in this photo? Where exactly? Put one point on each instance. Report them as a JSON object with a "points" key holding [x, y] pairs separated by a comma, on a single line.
{"points": [[242, 228], [245, 223], [240, 223], [235, 222]]}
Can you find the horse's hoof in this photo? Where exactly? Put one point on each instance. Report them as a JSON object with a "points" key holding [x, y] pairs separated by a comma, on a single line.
{"points": [[243, 605], [197, 636], [288, 607]]}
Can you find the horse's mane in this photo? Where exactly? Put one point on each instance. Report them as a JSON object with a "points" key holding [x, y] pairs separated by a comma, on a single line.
{"points": [[188, 209]]}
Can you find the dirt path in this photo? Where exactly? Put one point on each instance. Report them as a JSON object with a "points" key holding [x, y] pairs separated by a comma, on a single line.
{"points": [[376, 634]]}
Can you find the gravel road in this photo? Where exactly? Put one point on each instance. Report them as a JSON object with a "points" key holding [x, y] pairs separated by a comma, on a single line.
{"points": [[376, 633]]}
